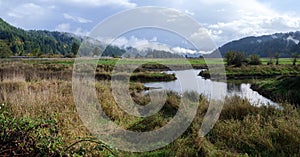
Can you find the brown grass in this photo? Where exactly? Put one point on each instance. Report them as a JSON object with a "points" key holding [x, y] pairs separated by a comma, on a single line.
{"points": [[242, 129]]}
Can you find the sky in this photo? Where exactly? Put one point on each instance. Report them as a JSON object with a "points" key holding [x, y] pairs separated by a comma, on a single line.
{"points": [[224, 20]]}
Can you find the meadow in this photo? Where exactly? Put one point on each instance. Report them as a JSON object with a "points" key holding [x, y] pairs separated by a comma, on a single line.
{"points": [[38, 117], [113, 61]]}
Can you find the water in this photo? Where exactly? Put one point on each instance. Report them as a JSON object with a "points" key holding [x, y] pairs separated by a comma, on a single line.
{"points": [[187, 80]]}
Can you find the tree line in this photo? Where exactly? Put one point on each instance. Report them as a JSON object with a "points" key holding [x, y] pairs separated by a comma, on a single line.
{"points": [[236, 58]]}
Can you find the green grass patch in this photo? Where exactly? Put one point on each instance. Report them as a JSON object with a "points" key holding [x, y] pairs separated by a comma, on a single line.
{"points": [[282, 61], [281, 89], [258, 71]]}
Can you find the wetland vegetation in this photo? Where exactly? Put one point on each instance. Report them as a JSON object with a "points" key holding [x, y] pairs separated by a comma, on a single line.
{"points": [[39, 118]]}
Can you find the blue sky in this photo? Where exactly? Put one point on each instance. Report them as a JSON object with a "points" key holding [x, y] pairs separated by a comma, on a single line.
{"points": [[225, 20]]}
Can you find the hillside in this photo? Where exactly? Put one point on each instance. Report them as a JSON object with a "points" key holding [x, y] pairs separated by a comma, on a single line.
{"points": [[266, 46], [18, 42], [21, 42]]}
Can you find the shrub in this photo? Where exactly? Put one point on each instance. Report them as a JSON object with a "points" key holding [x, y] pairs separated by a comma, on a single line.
{"points": [[28, 137], [235, 58], [254, 60]]}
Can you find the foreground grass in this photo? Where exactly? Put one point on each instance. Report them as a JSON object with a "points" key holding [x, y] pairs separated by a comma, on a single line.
{"points": [[40, 118]]}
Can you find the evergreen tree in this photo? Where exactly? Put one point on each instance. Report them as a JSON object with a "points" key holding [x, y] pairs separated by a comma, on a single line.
{"points": [[75, 48], [4, 49]]}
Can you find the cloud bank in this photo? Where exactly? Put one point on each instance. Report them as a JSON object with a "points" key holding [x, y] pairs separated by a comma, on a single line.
{"points": [[224, 20]]}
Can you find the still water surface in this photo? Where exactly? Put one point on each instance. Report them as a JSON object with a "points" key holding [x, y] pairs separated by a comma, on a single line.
{"points": [[188, 80]]}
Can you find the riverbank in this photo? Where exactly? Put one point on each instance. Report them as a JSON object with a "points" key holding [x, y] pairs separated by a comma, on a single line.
{"points": [[257, 71], [281, 89], [280, 83]]}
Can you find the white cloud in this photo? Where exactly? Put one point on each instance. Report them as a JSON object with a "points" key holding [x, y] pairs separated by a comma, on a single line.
{"points": [[76, 18], [154, 39], [132, 41], [28, 10], [64, 27], [67, 27], [226, 20], [183, 50], [80, 31], [52, 7], [253, 25], [189, 12], [97, 3], [142, 44]]}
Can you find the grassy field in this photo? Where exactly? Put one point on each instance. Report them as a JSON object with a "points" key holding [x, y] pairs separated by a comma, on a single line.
{"points": [[112, 61], [284, 61], [38, 117], [257, 71]]}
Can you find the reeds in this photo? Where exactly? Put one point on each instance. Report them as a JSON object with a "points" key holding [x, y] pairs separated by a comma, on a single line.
{"points": [[242, 129]]}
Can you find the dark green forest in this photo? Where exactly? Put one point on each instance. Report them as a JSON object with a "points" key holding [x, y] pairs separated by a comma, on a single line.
{"points": [[18, 42], [38, 43]]}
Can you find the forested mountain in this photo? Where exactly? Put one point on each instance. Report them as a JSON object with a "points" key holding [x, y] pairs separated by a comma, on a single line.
{"points": [[266, 46], [15, 41], [18, 42]]}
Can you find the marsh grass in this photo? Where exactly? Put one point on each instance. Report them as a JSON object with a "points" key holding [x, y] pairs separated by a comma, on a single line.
{"points": [[257, 71], [48, 104]]}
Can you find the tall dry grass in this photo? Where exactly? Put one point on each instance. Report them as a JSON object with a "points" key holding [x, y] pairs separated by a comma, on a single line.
{"points": [[242, 129]]}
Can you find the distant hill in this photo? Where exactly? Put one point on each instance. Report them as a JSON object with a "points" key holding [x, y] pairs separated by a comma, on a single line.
{"points": [[21, 42], [266, 46], [18, 42]]}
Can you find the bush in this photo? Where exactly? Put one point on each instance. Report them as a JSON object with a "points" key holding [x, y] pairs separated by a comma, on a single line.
{"points": [[28, 137], [254, 60], [235, 58]]}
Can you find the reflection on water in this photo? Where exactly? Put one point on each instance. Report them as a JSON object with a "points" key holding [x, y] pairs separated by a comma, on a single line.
{"points": [[188, 80]]}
